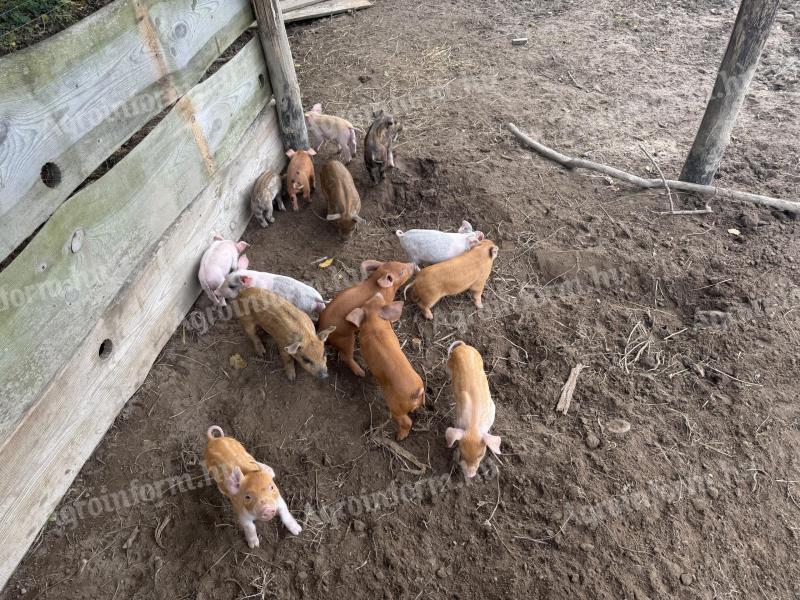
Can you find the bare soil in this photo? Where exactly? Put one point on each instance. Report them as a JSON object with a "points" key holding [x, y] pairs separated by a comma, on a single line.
{"points": [[700, 499]]}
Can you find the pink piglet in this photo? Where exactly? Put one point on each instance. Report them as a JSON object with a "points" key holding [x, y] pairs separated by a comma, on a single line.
{"points": [[221, 257]]}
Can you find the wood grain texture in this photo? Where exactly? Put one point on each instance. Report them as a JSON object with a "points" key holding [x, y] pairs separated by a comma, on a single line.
{"points": [[74, 98], [282, 76], [59, 434], [290, 5], [325, 9], [115, 223]]}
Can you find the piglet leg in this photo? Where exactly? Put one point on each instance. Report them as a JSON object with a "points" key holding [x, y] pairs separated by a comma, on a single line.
{"points": [[476, 296], [286, 517], [288, 364], [250, 534]]}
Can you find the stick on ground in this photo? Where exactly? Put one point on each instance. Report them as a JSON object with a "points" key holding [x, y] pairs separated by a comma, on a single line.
{"points": [[568, 389], [684, 186]]}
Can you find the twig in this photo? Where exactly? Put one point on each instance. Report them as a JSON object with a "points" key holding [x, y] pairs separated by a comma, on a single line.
{"points": [[400, 452], [568, 389], [672, 210], [685, 186]]}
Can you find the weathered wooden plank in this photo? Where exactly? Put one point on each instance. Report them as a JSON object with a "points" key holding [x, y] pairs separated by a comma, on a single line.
{"points": [[73, 99], [76, 265], [278, 56], [49, 447], [290, 5], [324, 9]]}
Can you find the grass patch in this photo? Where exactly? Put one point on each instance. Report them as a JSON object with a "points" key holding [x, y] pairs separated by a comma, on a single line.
{"points": [[25, 22]]}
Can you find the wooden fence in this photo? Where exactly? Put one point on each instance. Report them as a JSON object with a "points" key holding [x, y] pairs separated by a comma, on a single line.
{"points": [[110, 271]]}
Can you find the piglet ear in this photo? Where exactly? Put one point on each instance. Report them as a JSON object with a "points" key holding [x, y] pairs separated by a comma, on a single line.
{"points": [[323, 335], [234, 480], [386, 281], [246, 280], [493, 252], [355, 316], [358, 218], [311, 152], [290, 153], [292, 349], [452, 435], [466, 227], [243, 262], [241, 246], [317, 108], [391, 312], [492, 442], [267, 469], [479, 235], [368, 266], [334, 217]]}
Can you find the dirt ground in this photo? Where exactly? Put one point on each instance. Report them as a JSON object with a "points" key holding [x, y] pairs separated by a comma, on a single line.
{"points": [[700, 499]]}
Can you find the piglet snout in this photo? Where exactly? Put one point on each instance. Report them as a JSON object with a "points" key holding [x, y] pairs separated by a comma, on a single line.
{"points": [[322, 375], [267, 512]]}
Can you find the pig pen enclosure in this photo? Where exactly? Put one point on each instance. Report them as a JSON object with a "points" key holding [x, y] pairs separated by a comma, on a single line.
{"points": [[687, 324]]}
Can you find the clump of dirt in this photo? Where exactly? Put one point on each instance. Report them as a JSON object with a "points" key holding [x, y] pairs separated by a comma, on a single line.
{"points": [[689, 334]]}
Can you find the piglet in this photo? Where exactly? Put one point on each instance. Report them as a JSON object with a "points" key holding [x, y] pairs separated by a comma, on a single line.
{"points": [[303, 296], [291, 328], [474, 408], [386, 278], [300, 175], [379, 145], [266, 190], [402, 386], [221, 258], [432, 246], [249, 484], [322, 128], [468, 271], [344, 203]]}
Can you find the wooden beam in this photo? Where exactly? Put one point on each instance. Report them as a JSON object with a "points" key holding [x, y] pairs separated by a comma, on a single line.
{"points": [[50, 446], [70, 104], [749, 35], [278, 56], [325, 9]]}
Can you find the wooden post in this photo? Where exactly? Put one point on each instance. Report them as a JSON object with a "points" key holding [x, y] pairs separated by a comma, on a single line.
{"points": [[738, 66], [282, 77]]}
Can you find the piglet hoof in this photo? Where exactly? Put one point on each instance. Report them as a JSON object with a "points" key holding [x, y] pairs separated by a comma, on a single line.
{"points": [[271, 219], [295, 208], [478, 304], [294, 529], [259, 349], [291, 375], [402, 434], [357, 370], [426, 312], [253, 543]]}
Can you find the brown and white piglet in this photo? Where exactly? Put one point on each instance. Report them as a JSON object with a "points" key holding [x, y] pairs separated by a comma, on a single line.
{"points": [[474, 408], [383, 277], [402, 386], [249, 484], [291, 328], [323, 128], [379, 145], [343, 200], [468, 271], [300, 175]]}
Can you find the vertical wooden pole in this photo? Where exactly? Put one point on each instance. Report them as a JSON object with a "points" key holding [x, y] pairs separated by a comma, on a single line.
{"points": [[282, 77], [749, 35]]}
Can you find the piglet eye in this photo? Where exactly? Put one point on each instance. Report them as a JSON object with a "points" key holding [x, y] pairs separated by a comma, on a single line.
{"points": [[247, 498], [272, 487]]}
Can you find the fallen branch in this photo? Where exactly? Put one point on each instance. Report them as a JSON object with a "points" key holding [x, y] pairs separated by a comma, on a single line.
{"points": [[672, 211], [568, 389], [684, 186], [401, 453]]}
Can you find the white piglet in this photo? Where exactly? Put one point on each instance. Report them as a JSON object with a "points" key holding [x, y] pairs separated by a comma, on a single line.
{"points": [[303, 296], [222, 257], [432, 246]]}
